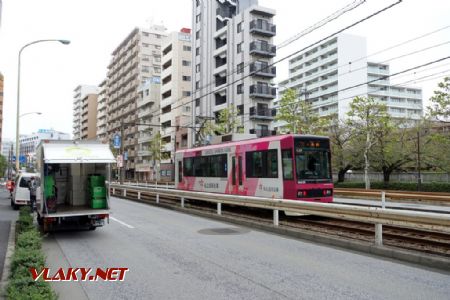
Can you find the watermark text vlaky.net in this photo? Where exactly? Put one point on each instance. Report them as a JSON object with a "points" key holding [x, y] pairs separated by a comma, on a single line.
{"points": [[79, 274]]}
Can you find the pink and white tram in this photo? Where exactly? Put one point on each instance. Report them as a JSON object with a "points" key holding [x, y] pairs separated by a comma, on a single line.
{"points": [[288, 166]]}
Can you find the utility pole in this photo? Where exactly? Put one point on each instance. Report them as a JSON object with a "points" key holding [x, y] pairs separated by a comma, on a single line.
{"points": [[419, 176], [122, 168]]}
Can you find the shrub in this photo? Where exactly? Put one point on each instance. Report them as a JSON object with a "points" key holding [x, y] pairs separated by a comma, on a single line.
{"points": [[399, 186], [27, 288], [25, 221], [29, 240]]}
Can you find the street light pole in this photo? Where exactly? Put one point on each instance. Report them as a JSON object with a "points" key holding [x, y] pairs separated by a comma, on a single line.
{"points": [[64, 42]]}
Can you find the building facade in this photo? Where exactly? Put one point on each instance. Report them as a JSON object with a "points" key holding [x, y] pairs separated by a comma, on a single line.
{"points": [[176, 97], [334, 72], [148, 109], [102, 112], [1, 109], [232, 47], [28, 143], [135, 61], [80, 93], [89, 117]]}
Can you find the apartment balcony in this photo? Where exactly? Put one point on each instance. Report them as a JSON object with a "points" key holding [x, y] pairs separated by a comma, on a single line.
{"points": [[263, 49], [262, 113], [263, 132], [263, 70], [232, 2], [262, 91], [224, 12], [144, 153], [145, 139], [263, 27]]}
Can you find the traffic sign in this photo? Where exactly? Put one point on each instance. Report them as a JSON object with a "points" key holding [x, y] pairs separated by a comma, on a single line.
{"points": [[116, 141], [22, 159]]}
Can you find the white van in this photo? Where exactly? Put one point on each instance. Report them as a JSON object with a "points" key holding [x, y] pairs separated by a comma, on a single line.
{"points": [[21, 194]]}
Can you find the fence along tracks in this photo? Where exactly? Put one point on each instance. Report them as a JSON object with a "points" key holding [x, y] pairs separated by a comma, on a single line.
{"points": [[424, 232], [443, 198]]}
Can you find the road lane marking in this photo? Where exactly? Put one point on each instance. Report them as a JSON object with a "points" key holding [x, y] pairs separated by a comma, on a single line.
{"points": [[121, 222]]}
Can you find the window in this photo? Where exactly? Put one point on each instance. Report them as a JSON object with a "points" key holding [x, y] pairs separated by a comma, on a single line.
{"points": [[145, 33], [186, 48], [180, 172], [158, 36], [197, 35], [198, 18], [240, 110], [197, 51], [239, 48], [239, 27], [158, 59], [240, 68], [197, 68], [197, 102], [157, 70], [157, 47], [186, 93], [186, 63], [145, 45], [197, 3], [240, 89], [262, 164], [288, 170], [197, 85], [206, 166]]}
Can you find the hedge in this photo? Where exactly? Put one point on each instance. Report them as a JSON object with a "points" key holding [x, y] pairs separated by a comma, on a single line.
{"points": [[399, 186], [28, 254]]}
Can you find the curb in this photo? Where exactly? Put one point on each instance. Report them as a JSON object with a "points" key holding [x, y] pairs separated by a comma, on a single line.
{"points": [[418, 259], [8, 257]]}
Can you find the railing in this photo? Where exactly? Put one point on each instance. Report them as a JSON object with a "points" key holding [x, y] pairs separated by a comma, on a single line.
{"points": [[263, 27], [435, 222], [263, 48]]}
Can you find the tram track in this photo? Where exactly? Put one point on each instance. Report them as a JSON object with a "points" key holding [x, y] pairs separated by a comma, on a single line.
{"points": [[396, 237]]}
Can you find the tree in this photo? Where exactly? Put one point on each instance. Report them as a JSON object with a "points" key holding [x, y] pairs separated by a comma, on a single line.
{"points": [[227, 122], [341, 137], [440, 107], [299, 115], [366, 116], [392, 149], [157, 152], [3, 165]]}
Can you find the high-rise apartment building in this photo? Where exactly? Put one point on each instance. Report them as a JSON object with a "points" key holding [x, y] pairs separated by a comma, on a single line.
{"points": [[1, 108], [148, 110], [80, 93], [89, 117], [334, 72], [135, 61], [102, 113], [232, 46], [176, 85]]}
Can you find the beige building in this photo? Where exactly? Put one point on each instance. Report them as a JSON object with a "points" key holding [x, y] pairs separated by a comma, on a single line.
{"points": [[176, 85], [80, 93], [89, 117], [135, 61], [1, 108], [102, 113]]}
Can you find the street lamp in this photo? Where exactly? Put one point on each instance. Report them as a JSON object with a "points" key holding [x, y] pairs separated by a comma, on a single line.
{"points": [[64, 42], [29, 113]]}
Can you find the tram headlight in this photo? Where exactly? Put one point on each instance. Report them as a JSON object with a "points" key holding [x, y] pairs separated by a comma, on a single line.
{"points": [[302, 194], [327, 192]]}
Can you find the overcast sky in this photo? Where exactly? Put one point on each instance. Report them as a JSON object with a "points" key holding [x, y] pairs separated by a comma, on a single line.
{"points": [[51, 71]]}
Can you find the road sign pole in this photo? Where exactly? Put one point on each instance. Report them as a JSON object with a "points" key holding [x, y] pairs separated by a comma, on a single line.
{"points": [[122, 169]]}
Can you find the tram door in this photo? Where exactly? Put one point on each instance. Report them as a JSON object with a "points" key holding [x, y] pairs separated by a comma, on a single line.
{"points": [[236, 173]]}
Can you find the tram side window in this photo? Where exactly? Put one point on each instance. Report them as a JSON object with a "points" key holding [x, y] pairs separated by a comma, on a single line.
{"points": [[188, 169], [288, 170], [262, 164], [206, 166]]}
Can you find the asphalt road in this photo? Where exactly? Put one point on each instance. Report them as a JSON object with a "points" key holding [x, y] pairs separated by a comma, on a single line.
{"points": [[177, 256], [7, 215]]}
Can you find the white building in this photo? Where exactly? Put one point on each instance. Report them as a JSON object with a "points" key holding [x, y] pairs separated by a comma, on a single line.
{"points": [[232, 49], [176, 97], [80, 93], [102, 112], [29, 143], [331, 74], [148, 109], [7, 146]]}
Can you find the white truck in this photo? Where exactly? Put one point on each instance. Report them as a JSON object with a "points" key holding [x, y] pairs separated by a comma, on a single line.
{"points": [[73, 190]]}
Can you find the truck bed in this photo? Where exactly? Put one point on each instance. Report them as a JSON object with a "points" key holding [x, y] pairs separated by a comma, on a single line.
{"points": [[72, 211]]}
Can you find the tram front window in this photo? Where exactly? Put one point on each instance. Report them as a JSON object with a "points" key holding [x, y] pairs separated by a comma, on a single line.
{"points": [[312, 163]]}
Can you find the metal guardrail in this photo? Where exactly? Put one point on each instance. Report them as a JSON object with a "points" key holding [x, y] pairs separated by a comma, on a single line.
{"points": [[435, 222], [397, 195]]}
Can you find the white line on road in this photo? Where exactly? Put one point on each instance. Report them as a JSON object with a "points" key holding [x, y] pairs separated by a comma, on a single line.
{"points": [[121, 222]]}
